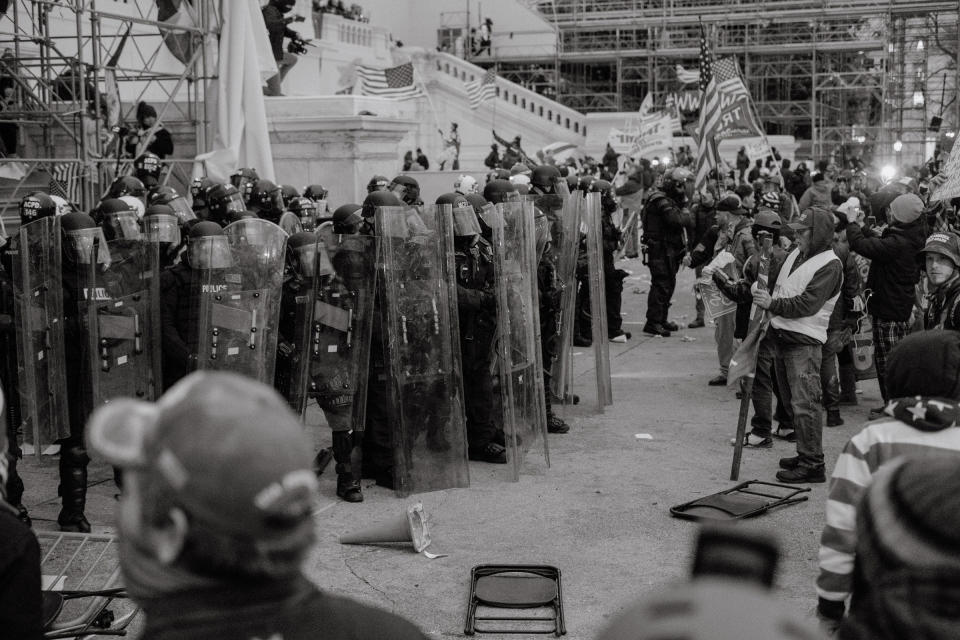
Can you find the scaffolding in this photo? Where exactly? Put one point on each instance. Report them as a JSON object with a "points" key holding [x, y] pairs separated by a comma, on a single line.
{"points": [[845, 75], [79, 68]]}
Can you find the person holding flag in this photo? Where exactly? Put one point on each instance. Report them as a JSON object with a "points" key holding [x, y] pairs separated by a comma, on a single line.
{"points": [[806, 291]]}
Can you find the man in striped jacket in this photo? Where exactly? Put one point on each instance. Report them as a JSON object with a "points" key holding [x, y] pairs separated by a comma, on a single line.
{"points": [[923, 379]]}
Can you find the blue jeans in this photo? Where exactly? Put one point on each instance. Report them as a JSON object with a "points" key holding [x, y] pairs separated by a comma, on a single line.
{"points": [[798, 371]]}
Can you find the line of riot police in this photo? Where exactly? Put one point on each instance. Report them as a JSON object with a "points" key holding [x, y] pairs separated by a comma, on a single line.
{"points": [[426, 334]]}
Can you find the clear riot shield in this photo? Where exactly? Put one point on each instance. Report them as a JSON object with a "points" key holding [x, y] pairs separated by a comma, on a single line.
{"points": [[240, 305], [423, 349], [335, 330], [290, 223], [121, 322], [598, 304], [565, 248], [38, 313], [519, 358]]}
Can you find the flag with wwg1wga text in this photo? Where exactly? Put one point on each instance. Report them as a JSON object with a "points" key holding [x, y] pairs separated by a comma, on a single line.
{"points": [[483, 89], [707, 156], [65, 181], [395, 82]]}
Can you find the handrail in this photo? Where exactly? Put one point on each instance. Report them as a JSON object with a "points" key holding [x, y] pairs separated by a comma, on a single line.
{"points": [[512, 95]]}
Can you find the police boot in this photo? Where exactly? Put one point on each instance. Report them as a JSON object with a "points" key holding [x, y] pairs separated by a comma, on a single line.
{"points": [[15, 492], [73, 488], [348, 460], [554, 423], [848, 384]]}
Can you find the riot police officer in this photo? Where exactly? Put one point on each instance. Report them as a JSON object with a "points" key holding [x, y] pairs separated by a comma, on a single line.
{"points": [[83, 245], [224, 204], [612, 277], [245, 180], [128, 186], [346, 219], [178, 303], [288, 192], [477, 310], [378, 433], [407, 189], [198, 195], [664, 218], [33, 207]]}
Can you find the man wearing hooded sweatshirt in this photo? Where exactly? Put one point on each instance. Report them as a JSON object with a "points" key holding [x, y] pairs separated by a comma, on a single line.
{"points": [[893, 275], [919, 420], [941, 260], [803, 299], [158, 141]]}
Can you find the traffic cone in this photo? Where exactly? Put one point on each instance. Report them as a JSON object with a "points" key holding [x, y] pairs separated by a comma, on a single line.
{"points": [[410, 526]]}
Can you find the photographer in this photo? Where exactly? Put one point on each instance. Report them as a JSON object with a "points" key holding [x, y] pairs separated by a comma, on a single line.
{"points": [[277, 30]]}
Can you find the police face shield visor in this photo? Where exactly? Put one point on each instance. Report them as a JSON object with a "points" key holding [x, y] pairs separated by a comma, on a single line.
{"points": [[233, 203], [490, 217], [182, 210], [162, 227], [399, 189], [275, 200], [305, 260], [210, 252], [78, 246], [465, 222], [121, 225], [308, 214]]}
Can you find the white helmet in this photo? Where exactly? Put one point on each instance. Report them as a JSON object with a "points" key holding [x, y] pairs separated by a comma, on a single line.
{"points": [[520, 178], [63, 207], [135, 203], [465, 185]]}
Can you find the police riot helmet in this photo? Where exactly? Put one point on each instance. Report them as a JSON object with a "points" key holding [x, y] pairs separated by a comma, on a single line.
{"points": [[464, 217], [544, 177], [573, 182], [198, 188], [135, 203], [108, 206], [63, 207], [288, 192], [267, 197], [378, 183], [406, 188], [126, 186], [301, 254], [208, 247], [379, 199], [225, 203], [315, 192], [498, 191], [80, 234], [36, 205], [675, 180], [585, 183], [148, 165], [305, 210], [242, 176], [346, 219], [177, 203], [465, 184]]}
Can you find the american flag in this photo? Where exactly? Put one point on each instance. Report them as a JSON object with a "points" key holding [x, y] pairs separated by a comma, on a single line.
{"points": [[66, 181], [708, 157], [395, 82], [483, 89]]}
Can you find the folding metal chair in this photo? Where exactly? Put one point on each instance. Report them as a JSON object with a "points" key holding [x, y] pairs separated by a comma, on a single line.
{"points": [[741, 501], [513, 587]]}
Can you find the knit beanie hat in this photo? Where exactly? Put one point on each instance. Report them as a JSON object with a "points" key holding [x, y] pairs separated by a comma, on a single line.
{"points": [[925, 364], [145, 110], [907, 572], [906, 208]]}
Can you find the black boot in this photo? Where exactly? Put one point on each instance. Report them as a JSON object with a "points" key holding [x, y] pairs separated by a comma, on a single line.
{"points": [[848, 384], [349, 462], [15, 489], [73, 488]]}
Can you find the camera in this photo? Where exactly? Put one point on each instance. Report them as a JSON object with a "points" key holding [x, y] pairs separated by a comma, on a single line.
{"points": [[297, 46]]}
